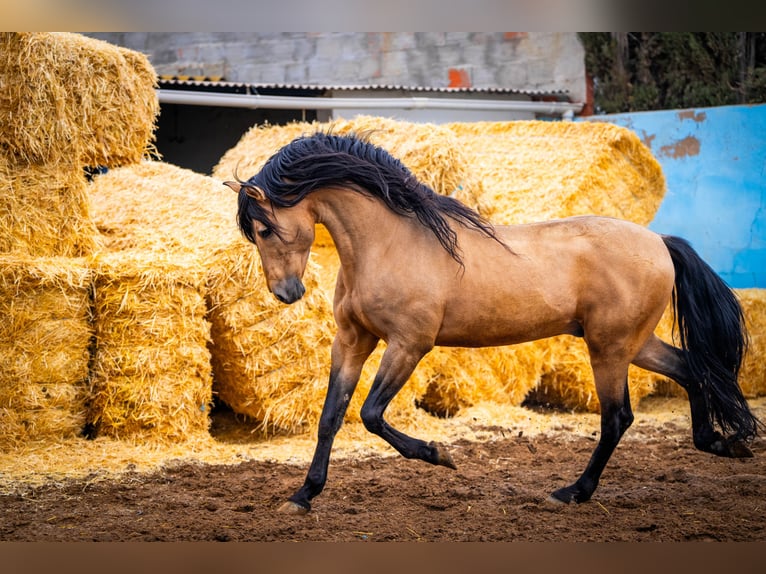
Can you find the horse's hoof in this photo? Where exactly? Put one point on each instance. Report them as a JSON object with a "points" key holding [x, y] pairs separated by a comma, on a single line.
{"points": [[738, 449], [561, 496], [730, 447], [443, 457], [293, 508], [557, 502]]}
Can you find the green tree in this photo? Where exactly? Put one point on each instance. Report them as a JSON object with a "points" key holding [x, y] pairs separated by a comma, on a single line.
{"points": [[635, 71]]}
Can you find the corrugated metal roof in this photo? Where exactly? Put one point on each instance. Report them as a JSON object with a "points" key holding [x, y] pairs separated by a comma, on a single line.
{"points": [[211, 85]]}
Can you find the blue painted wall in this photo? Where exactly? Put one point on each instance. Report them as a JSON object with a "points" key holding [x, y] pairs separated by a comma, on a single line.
{"points": [[714, 160]]}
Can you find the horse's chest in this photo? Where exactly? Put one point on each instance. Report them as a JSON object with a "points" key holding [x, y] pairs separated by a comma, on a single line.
{"points": [[384, 312]]}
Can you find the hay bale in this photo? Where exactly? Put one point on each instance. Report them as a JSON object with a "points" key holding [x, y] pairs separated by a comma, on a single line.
{"points": [[151, 375], [752, 377], [157, 207], [159, 227], [69, 99], [536, 170], [271, 361], [44, 211], [566, 380], [45, 338], [458, 378]]}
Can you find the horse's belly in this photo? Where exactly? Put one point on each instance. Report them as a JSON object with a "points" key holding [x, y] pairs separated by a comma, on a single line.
{"points": [[488, 329]]}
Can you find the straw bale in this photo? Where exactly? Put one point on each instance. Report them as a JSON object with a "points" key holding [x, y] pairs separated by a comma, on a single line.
{"points": [[567, 379], [158, 207], [458, 378], [69, 99], [159, 226], [151, 374], [536, 170], [44, 211], [432, 153], [269, 359], [45, 339], [752, 377]]}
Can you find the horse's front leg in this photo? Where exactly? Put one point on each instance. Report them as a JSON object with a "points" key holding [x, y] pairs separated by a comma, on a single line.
{"points": [[396, 366], [348, 356]]}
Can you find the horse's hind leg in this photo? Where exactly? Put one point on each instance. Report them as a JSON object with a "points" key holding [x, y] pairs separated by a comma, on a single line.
{"points": [[616, 417], [659, 357], [396, 366]]}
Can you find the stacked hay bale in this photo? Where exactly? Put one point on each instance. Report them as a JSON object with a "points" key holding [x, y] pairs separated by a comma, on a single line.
{"points": [[66, 102], [159, 225], [45, 339], [74, 100], [182, 308], [150, 374], [271, 361], [35, 201], [535, 170]]}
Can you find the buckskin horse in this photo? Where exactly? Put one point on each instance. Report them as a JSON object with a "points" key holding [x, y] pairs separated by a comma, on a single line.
{"points": [[419, 269]]}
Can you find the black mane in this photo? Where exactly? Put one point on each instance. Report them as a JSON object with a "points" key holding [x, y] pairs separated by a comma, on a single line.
{"points": [[323, 160]]}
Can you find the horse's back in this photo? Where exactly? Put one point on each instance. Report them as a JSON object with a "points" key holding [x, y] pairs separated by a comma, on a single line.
{"points": [[597, 257]]}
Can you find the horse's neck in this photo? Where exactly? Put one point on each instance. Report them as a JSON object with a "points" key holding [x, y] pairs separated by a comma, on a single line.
{"points": [[359, 225]]}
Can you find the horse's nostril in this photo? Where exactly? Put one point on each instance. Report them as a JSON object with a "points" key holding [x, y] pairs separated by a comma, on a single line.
{"points": [[289, 291], [280, 297]]}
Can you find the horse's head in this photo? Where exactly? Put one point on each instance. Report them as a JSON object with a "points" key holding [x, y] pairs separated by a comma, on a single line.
{"points": [[283, 236]]}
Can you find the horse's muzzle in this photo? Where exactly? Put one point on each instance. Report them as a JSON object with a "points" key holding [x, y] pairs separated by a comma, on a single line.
{"points": [[289, 290]]}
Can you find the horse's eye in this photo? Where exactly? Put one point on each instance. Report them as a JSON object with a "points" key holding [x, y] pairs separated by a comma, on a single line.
{"points": [[266, 232]]}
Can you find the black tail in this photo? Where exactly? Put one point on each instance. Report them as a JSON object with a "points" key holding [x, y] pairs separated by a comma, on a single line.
{"points": [[713, 336]]}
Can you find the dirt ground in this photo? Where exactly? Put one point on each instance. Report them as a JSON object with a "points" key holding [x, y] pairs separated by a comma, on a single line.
{"points": [[657, 487]]}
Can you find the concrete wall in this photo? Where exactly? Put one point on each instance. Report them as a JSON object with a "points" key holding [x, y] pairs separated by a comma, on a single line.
{"points": [[545, 61], [714, 160]]}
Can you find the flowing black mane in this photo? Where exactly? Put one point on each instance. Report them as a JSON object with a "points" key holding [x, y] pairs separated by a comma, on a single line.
{"points": [[323, 160]]}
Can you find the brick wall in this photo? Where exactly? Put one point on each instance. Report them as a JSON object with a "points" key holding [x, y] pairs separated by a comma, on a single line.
{"points": [[521, 60]]}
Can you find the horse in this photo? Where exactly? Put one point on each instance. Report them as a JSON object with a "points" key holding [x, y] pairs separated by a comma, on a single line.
{"points": [[420, 269]]}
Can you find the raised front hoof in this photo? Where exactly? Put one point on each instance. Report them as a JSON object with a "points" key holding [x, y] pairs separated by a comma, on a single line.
{"points": [[730, 447], [568, 494], [293, 508], [441, 456]]}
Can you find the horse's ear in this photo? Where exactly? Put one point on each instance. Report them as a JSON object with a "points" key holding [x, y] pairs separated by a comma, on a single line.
{"points": [[234, 185], [254, 192], [251, 190]]}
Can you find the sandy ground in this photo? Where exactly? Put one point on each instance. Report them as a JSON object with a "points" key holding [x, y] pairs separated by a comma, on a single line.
{"points": [[657, 487]]}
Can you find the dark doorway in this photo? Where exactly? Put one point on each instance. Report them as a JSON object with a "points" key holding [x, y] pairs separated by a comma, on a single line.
{"points": [[196, 137]]}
